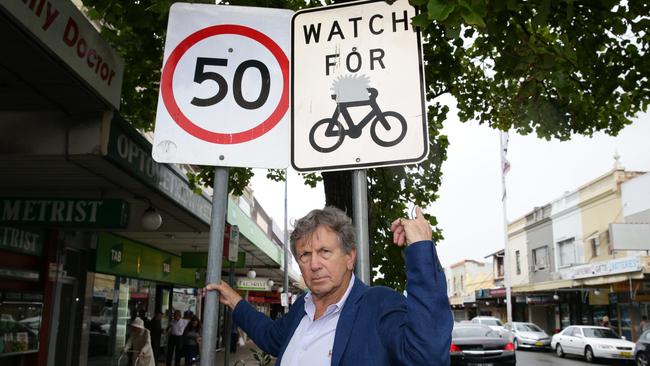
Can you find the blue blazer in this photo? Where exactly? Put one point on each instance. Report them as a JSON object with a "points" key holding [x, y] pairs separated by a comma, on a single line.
{"points": [[377, 325]]}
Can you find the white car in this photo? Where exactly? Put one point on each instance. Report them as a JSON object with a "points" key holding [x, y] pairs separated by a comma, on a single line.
{"points": [[592, 343], [494, 324]]}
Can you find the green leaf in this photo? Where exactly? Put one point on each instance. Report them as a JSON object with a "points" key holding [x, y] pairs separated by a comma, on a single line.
{"points": [[421, 20], [440, 10], [472, 18]]}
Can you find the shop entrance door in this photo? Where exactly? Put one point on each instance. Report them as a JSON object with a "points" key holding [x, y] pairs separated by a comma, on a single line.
{"points": [[67, 311]]}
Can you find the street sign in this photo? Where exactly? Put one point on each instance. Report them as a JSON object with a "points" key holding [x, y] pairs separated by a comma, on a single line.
{"points": [[224, 89], [233, 247], [357, 87]]}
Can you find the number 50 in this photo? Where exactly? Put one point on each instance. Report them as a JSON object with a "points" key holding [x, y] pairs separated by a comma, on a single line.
{"points": [[200, 75]]}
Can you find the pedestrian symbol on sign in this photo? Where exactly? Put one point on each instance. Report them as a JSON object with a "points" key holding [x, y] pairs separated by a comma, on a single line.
{"points": [[387, 128]]}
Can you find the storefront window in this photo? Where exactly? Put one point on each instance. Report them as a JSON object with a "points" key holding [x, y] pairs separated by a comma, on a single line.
{"points": [[20, 323], [565, 315], [101, 317]]}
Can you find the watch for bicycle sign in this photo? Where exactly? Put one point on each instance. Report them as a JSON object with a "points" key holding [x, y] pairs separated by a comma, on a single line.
{"points": [[224, 89], [357, 87]]}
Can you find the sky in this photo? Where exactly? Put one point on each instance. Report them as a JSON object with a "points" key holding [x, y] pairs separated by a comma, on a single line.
{"points": [[469, 209]]}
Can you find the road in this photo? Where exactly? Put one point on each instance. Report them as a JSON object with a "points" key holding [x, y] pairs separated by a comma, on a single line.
{"points": [[541, 358]]}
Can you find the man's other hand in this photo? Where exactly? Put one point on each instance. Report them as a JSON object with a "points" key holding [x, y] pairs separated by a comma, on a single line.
{"points": [[227, 295], [406, 232]]}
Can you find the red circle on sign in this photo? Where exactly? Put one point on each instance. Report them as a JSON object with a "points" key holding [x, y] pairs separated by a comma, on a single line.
{"points": [[223, 138]]}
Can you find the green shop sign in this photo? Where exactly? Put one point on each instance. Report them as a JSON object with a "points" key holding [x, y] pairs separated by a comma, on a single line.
{"points": [[110, 213], [21, 240], [200, 260], [124, 257], [128, 149]]}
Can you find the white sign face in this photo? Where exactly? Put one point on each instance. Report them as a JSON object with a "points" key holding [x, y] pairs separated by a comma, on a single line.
{"points": [[233, 248], [224, 89], [357, 87]]}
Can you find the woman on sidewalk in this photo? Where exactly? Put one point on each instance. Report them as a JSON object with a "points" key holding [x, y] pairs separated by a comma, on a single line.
{"points": [[191, 341], [139, 343]]}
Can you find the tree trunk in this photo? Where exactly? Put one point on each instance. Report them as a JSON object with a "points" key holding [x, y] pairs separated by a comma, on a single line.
{"points": [[338, 190]]}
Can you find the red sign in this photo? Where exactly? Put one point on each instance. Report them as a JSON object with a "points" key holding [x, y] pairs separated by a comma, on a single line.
{"points": [[193, 129]]}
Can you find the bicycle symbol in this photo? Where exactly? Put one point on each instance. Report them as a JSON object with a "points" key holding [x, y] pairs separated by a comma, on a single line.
{"points": [[387, 128]]}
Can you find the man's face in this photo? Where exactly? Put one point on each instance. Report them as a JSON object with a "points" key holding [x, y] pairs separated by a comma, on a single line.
{"points": [[177, 316], [323, 263]]}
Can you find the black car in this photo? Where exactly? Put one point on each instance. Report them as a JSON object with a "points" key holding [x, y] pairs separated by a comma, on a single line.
{"points": [[477, 344], [642, 349]]}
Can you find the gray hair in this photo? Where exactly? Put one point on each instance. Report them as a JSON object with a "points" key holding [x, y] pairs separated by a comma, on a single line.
{"points": [[330, 216]]}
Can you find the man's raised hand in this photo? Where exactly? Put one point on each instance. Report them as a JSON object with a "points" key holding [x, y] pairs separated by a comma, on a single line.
{"points": [[227, 295], [408, 231]]}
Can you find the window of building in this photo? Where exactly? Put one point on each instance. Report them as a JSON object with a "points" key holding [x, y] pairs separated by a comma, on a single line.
{"points": [[518, 261], [462, 285], [500, 267], [540, 258], [567, 252], [595, 246]]}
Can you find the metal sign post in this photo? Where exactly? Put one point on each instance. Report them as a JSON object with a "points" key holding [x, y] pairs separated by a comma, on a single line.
{"points": [[215, 254], [285, 280], [360, 207]]}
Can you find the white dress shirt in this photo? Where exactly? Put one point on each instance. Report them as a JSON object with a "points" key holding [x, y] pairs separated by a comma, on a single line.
{"points": [[178, 327], [313, 340]]}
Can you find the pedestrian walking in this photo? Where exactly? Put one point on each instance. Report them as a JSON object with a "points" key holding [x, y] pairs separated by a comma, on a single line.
{"points": [[139, 343], [192, 341], [175, 342]]}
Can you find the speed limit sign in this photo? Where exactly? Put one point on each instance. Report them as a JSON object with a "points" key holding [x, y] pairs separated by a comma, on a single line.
{"points": [[224, 89]]}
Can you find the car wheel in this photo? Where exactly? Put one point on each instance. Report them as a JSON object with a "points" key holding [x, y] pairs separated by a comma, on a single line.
{"points": [[516, 343], [641, 359], [589, 355], [559, 351]]}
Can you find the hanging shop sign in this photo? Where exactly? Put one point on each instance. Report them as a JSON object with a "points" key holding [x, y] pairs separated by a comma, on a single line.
{"points": [[131, 151], [105, 213], [123, 257], [19, 274], [604, 268], [200, 260], [22, 240], [66, 32], [254, 284]]}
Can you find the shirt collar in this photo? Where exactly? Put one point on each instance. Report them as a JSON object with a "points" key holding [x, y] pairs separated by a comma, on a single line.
{"points": [[310, 307]]}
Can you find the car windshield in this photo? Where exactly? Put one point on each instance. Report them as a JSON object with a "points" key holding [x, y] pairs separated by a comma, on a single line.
{"points": [[599, 333], [528, 327], [491, 322], [473, 332]]}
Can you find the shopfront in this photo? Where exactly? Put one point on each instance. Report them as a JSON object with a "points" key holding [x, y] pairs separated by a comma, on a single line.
{"points": [[22, 293], [133, 279]]}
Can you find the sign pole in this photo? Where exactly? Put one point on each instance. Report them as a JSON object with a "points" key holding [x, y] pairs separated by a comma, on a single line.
{"points": [[215, 254], [360, 208], [285, 280], [227, 337]]}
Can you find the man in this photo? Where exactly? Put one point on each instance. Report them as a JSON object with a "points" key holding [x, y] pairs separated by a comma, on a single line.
{"points": [[341, 321], [175, 343]]}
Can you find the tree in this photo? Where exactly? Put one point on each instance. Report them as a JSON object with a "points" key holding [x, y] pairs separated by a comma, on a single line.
{"points": [[551, 67]]}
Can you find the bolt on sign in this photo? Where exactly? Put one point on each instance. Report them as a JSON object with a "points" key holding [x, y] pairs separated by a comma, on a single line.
{"points": [[357, 87], [224, 89]]}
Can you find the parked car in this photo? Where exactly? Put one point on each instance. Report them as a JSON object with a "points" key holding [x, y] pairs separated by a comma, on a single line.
{"points": [[592, 343], [492, 322], [477, 344], [528, 335], [642, 349]]}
